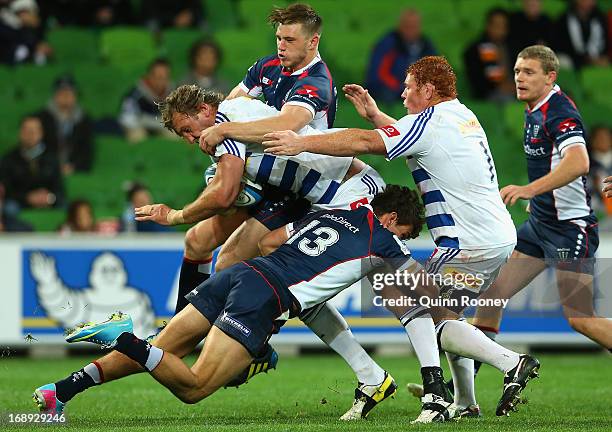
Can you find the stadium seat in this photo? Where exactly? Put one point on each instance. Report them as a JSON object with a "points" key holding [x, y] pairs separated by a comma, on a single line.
{"points": [[241, 50], [34, 86], [127, 48], [514, 117], [594, 80], [175, 46], [221, 14], [348, 54], [254, 14], [101, 88], [72, 45], [45, 220]]}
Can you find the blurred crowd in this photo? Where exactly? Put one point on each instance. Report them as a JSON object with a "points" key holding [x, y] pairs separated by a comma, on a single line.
{"points": [[59, 139]]}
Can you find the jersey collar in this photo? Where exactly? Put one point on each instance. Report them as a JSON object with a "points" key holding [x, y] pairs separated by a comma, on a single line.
{"points": [[554, 90], [315, 60]]}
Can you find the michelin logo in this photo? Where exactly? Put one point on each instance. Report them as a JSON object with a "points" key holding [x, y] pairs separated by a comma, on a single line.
{"points": [[225, 318]]}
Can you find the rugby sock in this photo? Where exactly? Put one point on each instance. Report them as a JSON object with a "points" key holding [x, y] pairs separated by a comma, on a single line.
{"points": [[78, 381], [332, 328], [422, 334], [461, 338], [142, 352], [193, 273], [462, 369]]}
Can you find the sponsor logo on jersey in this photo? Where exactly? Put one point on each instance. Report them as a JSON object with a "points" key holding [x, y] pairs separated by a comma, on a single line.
{"points": [[342, 221], [567, 125], [469, 126], [225, 318], [267, 81], [390, 131], [534, 152]]}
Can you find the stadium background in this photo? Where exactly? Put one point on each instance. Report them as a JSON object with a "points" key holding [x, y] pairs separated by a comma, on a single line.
{"points": [[105, 63]]}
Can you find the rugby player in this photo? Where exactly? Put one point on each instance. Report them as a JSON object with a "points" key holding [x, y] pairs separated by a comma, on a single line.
{"points": [[449, 157]]}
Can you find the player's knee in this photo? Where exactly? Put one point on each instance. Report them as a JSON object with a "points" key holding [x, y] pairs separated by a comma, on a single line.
{"points": [[196, 246]]}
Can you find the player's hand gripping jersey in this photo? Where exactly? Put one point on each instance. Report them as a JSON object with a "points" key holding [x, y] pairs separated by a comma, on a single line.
{"points": [[311, 87]]}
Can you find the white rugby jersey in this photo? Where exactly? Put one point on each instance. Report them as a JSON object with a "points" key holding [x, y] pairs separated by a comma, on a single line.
{"points": [[448, 154], [311, 176]]}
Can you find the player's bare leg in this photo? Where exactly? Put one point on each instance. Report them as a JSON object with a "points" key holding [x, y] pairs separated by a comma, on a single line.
{"points": [[515, 275], [326, 322], [242, 244], [200, 242], [221, 360], [576, 294]]}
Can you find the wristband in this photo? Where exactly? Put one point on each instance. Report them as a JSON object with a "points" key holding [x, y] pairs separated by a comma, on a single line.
{"points": [[175, 217]]}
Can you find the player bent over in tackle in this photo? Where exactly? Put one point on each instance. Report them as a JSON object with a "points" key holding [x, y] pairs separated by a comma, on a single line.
{"points": [[240, 308]]}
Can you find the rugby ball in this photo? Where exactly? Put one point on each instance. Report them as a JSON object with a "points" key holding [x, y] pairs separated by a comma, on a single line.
{"points": [[251, 193]]}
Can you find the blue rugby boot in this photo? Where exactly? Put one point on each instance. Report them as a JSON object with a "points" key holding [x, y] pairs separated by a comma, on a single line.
{"points": [[104, 333]]}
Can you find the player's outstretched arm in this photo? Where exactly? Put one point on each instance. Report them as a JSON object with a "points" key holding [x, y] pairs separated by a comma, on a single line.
{"points": [[291, 117], [218, 196], [366, 106], [348, 142], [607, 189], [575, 163]]}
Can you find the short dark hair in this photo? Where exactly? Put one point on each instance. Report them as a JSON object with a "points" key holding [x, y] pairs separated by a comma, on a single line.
{"points": [[204, 43], [297, 13], [187, 99], [497, 11], [160, 61], [405, 202], [134, 188]]}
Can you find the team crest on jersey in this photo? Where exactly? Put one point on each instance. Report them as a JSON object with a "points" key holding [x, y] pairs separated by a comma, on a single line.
{"points": [[563, 253], [536, 130], [267, 81], [567, 125], [390, 131]]}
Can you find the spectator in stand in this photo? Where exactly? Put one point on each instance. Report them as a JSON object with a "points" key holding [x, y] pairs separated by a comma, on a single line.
{"points": [[138, 195], [600, 155], [488, 61], [529, 26], [67, 129], [161, 14], [22, 35], [138, 116], [99, 13], [106, 13], [79, 219], [582, 36], [9, 223], [204, 59], [31, 173], [393, 54]]}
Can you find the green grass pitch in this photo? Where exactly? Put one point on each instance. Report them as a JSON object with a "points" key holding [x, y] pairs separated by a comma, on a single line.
{"points": [[309, 393]]}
